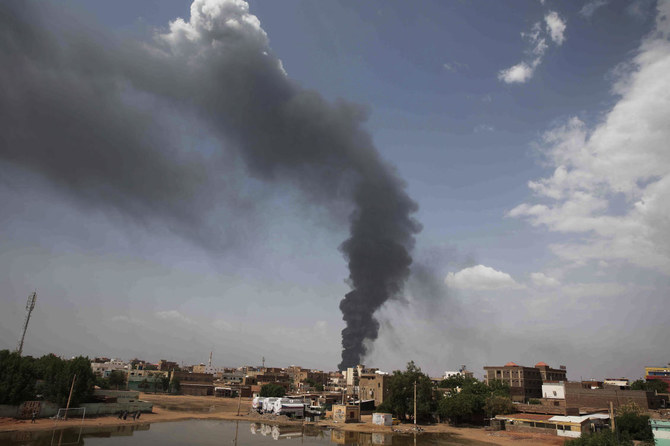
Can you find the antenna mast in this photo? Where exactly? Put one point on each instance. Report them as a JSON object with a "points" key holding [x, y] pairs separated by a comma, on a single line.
{"points": [[29, 309]]}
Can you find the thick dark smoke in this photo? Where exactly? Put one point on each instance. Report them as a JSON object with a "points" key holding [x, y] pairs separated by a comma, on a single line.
{"points": [[94, 114]]}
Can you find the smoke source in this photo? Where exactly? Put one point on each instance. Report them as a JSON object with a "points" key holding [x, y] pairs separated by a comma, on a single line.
{"points": [[89, 112]]}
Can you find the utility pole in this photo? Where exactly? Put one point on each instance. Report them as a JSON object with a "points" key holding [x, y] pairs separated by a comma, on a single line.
{"points": [[612, 421], [414, 403], [67, 407], [30, 305]]}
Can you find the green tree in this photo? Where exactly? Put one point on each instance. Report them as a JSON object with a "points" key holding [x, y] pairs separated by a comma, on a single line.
{"points": [[57, 375], [475, 398], [117, 379], [17, 378], [460, 405], [602, 438], [165, 383], [400, 401], [650, 385], [272, 390], [634, 426], [498, 405]]}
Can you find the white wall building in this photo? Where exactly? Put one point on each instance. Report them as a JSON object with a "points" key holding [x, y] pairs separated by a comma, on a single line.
{"points": [[105, 369], [555, 390]]}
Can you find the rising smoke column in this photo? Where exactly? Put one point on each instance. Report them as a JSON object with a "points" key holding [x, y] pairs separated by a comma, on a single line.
{"points": [[86, 113]]}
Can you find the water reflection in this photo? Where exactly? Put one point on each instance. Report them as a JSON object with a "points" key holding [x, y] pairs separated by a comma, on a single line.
{"points": [[286, 432], [216, 433], [69, 436]]}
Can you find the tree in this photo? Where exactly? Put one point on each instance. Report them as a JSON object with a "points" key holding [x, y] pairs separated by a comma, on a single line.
{"points": [[17, 378], [650, 385], [476, 398], [602, 438], [460, 405], [272, 390], [165, 383], [400, 401], [498, 405], [57, 375], [117, 378]]}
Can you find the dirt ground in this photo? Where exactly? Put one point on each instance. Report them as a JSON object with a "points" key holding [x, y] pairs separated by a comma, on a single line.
{"points": [[180, 407]]}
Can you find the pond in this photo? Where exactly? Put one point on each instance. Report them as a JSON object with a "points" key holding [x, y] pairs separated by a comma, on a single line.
{"points": [[209, 432]]}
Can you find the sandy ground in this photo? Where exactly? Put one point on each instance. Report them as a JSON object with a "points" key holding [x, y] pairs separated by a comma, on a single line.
{"points": [[179, 407]]}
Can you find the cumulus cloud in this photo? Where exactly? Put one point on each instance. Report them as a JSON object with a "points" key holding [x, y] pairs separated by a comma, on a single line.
{"points": [[590, 7], [174, 316], [517, 74], [611, 183], [481, 277], [542, 280], [537, 46], [555, 27]]}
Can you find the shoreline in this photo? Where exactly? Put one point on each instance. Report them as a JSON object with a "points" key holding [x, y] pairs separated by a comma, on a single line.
{"points": [[172, 408]]}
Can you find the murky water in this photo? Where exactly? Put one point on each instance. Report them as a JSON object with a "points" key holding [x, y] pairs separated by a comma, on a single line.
{"points": [[208, 432]]}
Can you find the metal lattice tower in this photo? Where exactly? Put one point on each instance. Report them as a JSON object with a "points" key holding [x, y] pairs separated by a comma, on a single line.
{"points": [[29, 309]]}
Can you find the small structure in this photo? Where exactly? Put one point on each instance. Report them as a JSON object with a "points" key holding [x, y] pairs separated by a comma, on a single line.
{"points": [[562, 426], [346, 413], [382, 419], [661, 430]]}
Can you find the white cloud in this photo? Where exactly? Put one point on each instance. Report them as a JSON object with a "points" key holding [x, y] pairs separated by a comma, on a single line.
{"points": [[480, 277], [173, 315], [518, 73], [555, 27], [591, 6], [611, 183], [481, 128], [454, 66], [537, 41], [542, 280]]}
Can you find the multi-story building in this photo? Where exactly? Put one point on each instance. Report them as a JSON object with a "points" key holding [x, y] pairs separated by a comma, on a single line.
{"points": [[463, 371], [104, 369], [166, 366], [524, 382], [374, 386], [352, 375], [661, 373]]}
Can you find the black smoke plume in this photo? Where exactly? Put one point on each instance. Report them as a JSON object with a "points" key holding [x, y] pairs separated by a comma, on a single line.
{"points": [[93, 113]]}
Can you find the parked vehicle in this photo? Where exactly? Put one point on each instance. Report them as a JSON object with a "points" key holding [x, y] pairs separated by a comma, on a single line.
{"points": [[268, 404], [257, 403]]}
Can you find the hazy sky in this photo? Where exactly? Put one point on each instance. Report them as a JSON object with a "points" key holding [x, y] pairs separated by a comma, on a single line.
{"points": [[534, 137]]}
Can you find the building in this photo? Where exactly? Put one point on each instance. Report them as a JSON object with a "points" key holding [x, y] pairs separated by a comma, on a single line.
{"points": [[524, 382], [104, 369], [588, 399], [167, 366], [661, 431], [560, 425], [352, 376], [463, 371], [196, 384], [661, 373], [346, 413], [549, 374], [375, 387], [621, 383]]}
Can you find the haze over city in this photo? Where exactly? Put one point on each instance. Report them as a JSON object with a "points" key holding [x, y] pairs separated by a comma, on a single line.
{"points": [[182, 178]]}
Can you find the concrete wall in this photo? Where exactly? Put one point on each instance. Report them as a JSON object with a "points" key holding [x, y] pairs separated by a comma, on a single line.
{"points": [[577, 396]]}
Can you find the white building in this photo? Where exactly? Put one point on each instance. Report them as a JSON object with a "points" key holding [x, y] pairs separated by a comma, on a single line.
{"points": [[554, 390], [105, 369]]}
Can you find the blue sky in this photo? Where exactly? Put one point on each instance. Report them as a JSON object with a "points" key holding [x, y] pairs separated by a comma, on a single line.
{"points": [[541, 193]]}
